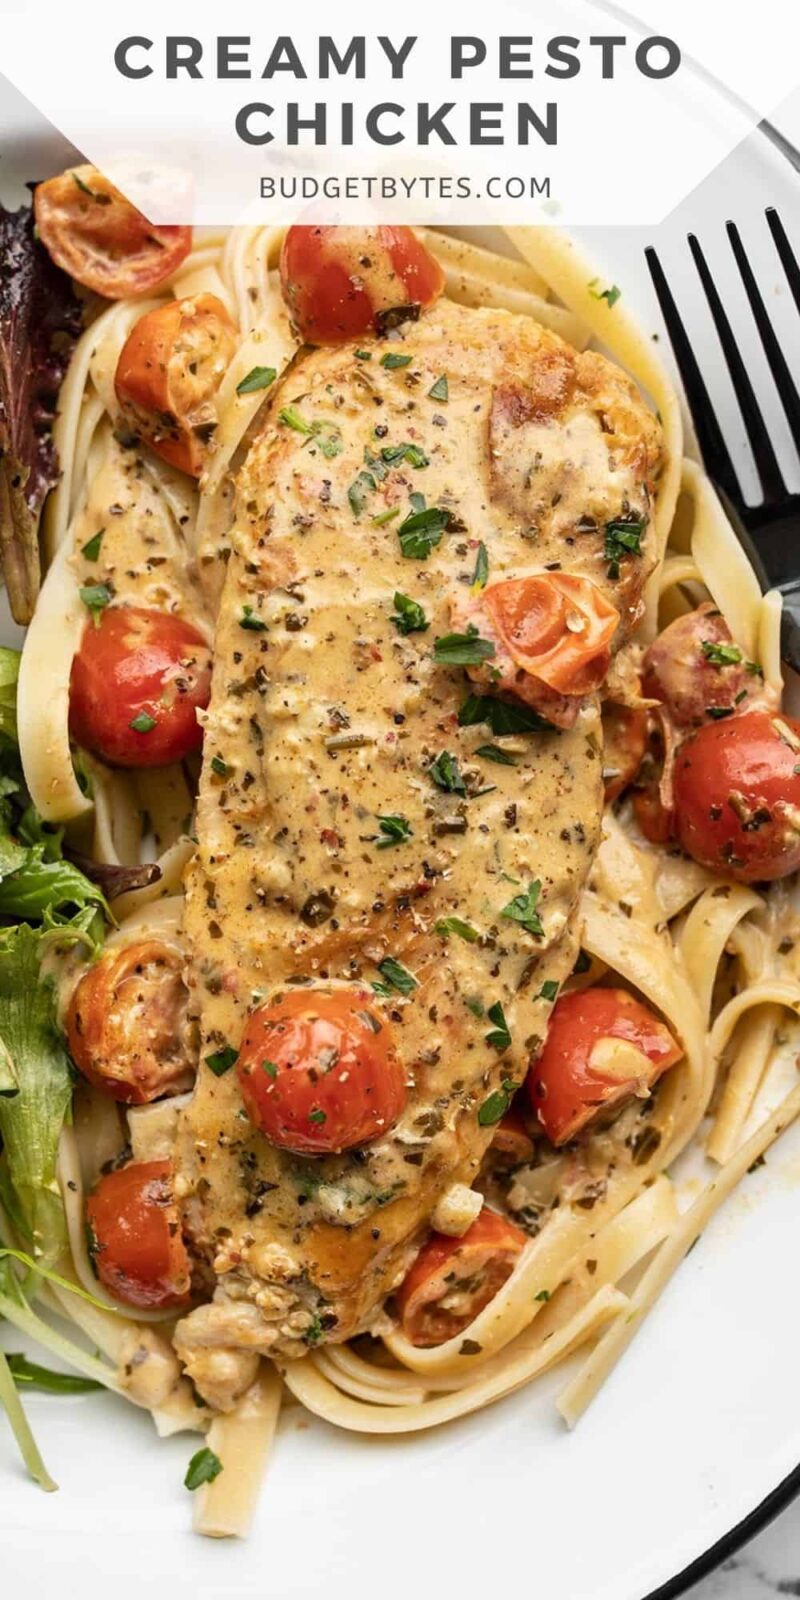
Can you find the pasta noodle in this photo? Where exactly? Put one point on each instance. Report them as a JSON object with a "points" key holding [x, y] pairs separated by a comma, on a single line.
{"points": [[706, 954]]}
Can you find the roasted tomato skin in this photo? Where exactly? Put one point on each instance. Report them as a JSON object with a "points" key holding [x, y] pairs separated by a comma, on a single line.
{"points": [[319, 1072], [624, 746], [737, 796], [655, 820], [126, 1023], [168, 373], [136, 1243], [139, 664], [341, 283], [92, 232], [694, 665], [483, 1258], [571, 1080]]}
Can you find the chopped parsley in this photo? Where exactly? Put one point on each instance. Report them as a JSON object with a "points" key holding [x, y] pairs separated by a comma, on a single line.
{"points": [[220, 1061], [422, 530], [363, 355], [502, 716], [142, 722], [549, 990], [754, 669], [96, 596], [328, 439], [360, 490], [446, 773], [623, 538], [396, 976], [408, 615], [204, 1467], [480, 576], [463, 649], [543, 1296], [270, 1068], [497, 1104], [522, 909], [386, 516], [91, 549], [394, 830], [250, 622], [440, 390], [220, 767], [257, 378], [721, 655], [292, 418], [447, 925], [393, 359], [500, 1036], [412, 454], [84, 187], [492, 752], [611, 296], [717, 713], [318, 1116]]}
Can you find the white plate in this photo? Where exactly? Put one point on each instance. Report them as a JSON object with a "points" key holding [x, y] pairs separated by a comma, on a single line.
{"points": [[698, 1425]]}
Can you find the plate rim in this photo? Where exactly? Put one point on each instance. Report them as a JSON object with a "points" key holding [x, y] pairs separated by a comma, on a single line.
{"points": [[781, 1497]]}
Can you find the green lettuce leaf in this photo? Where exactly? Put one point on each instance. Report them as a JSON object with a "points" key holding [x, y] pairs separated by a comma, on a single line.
{"points": [[9, 672]]}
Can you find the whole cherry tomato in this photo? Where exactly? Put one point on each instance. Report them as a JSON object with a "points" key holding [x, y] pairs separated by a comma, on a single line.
{"points": [[319, 1071], [135, 1236], [137, 682], [737, 796], [341, 283]]}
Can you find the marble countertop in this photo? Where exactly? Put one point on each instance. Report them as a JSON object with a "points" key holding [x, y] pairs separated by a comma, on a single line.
{"points": [[767, 1568]]}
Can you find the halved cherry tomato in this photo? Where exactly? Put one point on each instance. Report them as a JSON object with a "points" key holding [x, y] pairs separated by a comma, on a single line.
{"points": [[737, 796], [453, 1279], [552, 634], [136, 1243], [99, 238], [602, 1046], [624, 745], [168, 374], [137, 682], [694, 669], [655, 820], [340, 283], [319, 1071], [126, 1023]]}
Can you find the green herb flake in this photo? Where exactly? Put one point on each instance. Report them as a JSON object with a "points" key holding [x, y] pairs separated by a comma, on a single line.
{"points": [[446, 773], [363, 355], [397, 976], [522, 909], [270, 1068], [91, 549], [204, 1467], [721, 655], [328, 439], [220, 767], [422, 531], [96, 596], [143, 722], [250, 622], [392, 360], [549, 990], [500, 1036], [317, 1116], [257, 378], [408, 616], [480, 576], [463, 649], [395, 830], [221, 1061], [543, 1296], [497, 1104], [440, 390], [412, 454], [611, 296], [501, 716], [447, 925], [292, 418], [492, 752], [623, 538], [383, 517], [359, 491]]}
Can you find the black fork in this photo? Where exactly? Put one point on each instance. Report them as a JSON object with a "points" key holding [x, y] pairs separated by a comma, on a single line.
{"points": [[769, 531]]}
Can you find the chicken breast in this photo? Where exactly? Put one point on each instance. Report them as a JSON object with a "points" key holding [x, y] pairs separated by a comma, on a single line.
{"points": [[326, 716]]}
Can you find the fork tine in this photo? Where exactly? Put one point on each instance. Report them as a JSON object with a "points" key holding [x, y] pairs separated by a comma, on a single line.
{"points": [[774, 354], [785, 252], [769, 472], [713, 448]]}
